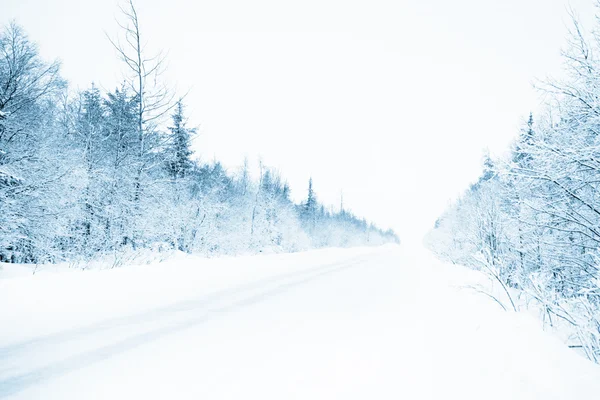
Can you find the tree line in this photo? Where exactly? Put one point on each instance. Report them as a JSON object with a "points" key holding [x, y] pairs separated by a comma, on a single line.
{"points": [[92, 173], [532, 220]]}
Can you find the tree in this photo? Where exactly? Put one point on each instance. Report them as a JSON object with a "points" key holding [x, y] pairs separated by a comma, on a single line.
{"points": [[154, 98], [179, 163], [91, 134], [154, 101], [24, 78], [310, 206], [29, 148]]}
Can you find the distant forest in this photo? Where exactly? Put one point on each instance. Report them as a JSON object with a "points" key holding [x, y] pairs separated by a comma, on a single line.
{"points": [[88, 174]]}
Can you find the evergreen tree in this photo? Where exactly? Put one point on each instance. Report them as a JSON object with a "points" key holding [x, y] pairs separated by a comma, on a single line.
{"points": [[179, 163], [310, 206]]}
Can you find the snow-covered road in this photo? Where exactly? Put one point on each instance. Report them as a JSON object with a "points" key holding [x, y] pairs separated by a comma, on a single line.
{"points": [[329, 324]]}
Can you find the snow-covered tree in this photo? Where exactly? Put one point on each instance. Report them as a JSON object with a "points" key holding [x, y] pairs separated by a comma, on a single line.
{"points": [[89, 174], [179, 163], [533, 219]]}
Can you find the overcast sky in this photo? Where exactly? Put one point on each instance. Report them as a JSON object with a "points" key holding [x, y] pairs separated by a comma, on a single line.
{"points": [[392, 102]]}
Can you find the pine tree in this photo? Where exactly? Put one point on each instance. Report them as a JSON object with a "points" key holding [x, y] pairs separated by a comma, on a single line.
{"points": [[179, 161], [311, 201], [522, 149], [309, 211], [286, 192]]}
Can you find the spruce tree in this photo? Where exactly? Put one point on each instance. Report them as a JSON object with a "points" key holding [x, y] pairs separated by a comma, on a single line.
{"points": [[179, 152], [311, 201]]}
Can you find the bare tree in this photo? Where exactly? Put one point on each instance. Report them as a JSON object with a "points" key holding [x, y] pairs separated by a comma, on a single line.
{"points": [[155, 99], [24, 77]]}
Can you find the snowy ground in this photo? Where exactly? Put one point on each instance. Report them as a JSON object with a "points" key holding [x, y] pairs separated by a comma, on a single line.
{"points": [[328, 324]]}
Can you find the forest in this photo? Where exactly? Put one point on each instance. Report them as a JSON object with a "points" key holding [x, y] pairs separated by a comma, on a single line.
{"points": [[532, 219], [85, 174]]}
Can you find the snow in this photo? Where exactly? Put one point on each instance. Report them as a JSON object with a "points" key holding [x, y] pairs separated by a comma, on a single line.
{"points": [[366, 323]]}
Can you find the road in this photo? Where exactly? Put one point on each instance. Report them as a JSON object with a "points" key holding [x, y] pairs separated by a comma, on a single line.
{"points": [[374, 324]]}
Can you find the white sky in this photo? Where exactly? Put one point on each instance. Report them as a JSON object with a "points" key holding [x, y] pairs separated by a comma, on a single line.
{"points": [[391, 101]]}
